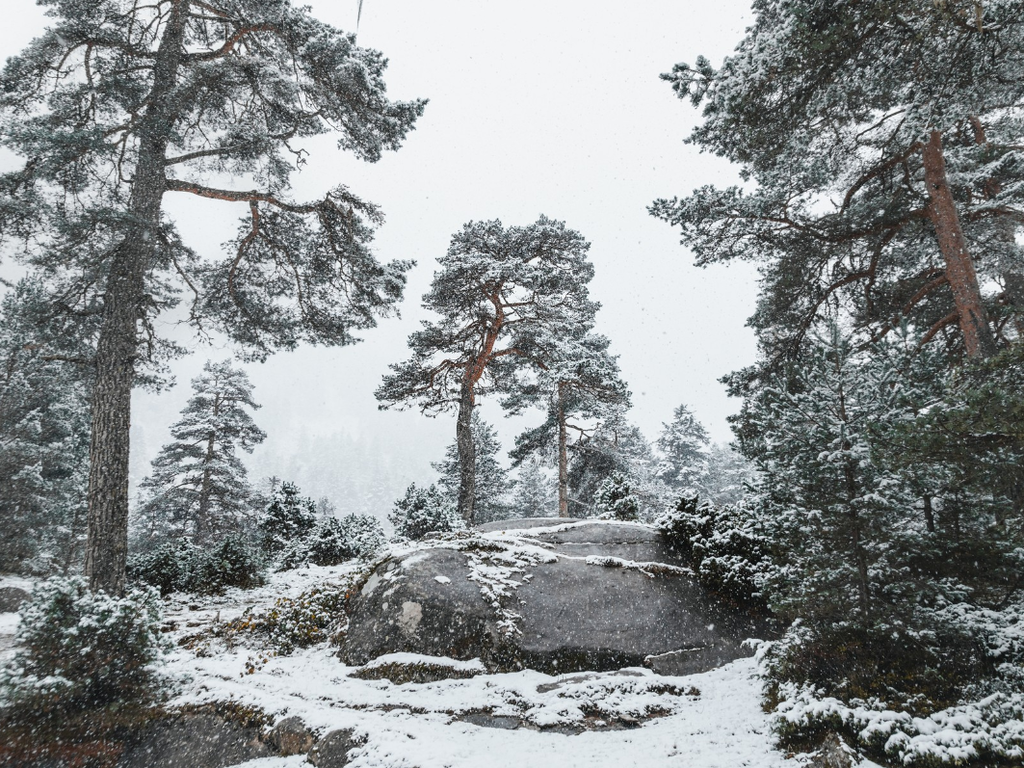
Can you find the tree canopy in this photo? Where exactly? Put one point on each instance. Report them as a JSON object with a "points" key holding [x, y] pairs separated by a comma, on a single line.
{"points": [[122, 102]]}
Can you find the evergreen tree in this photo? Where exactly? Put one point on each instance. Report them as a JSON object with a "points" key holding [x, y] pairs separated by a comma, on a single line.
{"points": [[198, 489], [615, 499], [614, 447], [502, 295], [535, 492], [424, 510], [492, 483], [121, 103], [881, 166], [579, 385], [683, 443], [289, 517], [728, 475], [45, 386]]}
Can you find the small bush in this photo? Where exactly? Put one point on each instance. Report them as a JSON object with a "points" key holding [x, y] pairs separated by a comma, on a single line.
{"points": [[289, 518], [422, 511], [730, 557], [312, 617], [335, 540], [615, 499], [82, 650], [232, 563], [184, 567]]}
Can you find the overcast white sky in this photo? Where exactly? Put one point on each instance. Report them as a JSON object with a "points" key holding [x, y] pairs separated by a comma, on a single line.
{"points": [[536, 106]]}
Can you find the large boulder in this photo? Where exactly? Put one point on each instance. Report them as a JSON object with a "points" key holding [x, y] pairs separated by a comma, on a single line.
{"points": [[547, 594]]}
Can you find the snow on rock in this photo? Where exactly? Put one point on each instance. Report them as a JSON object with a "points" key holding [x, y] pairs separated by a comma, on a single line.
{"points": [[573, 596]]}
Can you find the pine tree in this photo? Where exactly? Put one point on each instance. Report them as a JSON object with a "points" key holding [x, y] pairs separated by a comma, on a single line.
{"points": [[579, 385], [615, 499], [728, 476], [502, 295], [492, 483], [881, 166], [535, 492], [289, 518], [829, 507], [683, 443], [614, 447], [121, 103], [44, 431], [424, 510], [198, 489]]}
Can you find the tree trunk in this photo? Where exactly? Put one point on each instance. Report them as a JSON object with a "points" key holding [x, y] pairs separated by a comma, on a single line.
{"points": [[467, 453], [123, 308], [563, 459], [974, 327], [203, 524], [929, 514]]}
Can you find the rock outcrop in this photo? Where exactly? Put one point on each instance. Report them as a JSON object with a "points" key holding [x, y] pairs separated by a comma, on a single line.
{"points": [[549, 594]]}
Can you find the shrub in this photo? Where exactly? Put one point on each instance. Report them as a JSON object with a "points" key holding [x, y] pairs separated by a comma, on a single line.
{"points": [[615, 499], [730, 557], [290, 517], [335, 540], [232, 563], [185, 567], [82, 650], [422, 511], [312, 617]]}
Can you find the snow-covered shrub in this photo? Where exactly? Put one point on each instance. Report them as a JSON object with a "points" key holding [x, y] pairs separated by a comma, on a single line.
{"points": [[422, 511], [983, 730], [232, 563], [730, 557], [78, 650], [312, 617], [615, 499], [185, 567], [162, 567], [335, 540], [289, 518]]}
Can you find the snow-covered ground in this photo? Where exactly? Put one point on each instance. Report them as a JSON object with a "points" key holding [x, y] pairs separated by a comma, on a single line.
{"points": [[616, 719], [701, 721]]}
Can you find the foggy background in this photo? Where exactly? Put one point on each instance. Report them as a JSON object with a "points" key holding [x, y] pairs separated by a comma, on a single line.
{"points": [[550, 107]]}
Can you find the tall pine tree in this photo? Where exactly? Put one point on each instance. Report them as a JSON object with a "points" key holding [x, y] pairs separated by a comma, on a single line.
{"points": [[122, 103], [880, 141], [502, 295], [198, 489]]}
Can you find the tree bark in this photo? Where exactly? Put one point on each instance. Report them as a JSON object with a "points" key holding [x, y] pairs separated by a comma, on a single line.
{"points": [[974, 327], [123, 308], [203, 524], [563, 458], [467, 453]]}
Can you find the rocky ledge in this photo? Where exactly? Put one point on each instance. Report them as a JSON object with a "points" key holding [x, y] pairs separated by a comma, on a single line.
{"points": [[548, 594]]}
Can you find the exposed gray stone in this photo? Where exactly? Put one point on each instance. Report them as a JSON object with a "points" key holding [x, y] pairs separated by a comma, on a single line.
{"points": [[291, 737], [193, 740], [403, 607], [833, 753], [572, 614], [12, 598], [484, 720], [332, 750], [689, 661]]}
